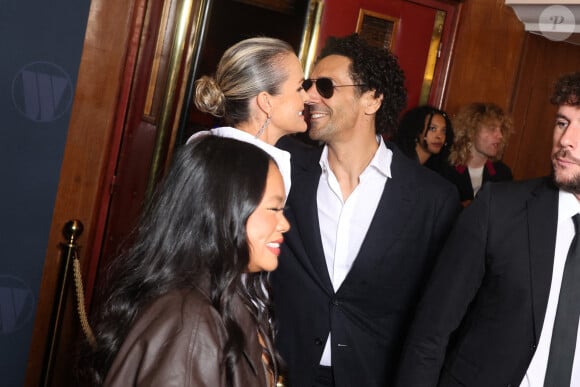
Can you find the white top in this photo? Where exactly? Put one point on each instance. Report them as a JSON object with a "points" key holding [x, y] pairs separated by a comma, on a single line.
{"points": [[476, 175], [281, 157], [567, 206], [344, 224]]}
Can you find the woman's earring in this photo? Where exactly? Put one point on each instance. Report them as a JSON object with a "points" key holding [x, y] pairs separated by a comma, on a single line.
{"points": [[263, 127]]}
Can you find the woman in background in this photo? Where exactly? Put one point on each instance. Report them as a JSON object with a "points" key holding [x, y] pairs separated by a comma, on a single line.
{"points": [[188, 304], [425, 134], [257, 93]]}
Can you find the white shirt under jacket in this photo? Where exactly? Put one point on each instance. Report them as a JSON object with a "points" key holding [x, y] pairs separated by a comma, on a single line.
{"points": [[344, 223], [568, 206]]}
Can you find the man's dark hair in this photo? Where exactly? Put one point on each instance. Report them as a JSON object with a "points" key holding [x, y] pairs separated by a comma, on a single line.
{"points": [[567, 90], [376, 68]]}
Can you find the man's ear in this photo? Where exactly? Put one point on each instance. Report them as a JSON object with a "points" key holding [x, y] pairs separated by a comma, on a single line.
{"points": [[372, 103], [263, 101]]}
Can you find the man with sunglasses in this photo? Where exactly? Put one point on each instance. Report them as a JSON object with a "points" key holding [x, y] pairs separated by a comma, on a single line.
{"points": [[366, 221]]}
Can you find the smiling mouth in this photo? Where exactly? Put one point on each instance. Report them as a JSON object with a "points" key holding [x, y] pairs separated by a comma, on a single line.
{"points": [[312, 113], [274, 247], [316, 115]]}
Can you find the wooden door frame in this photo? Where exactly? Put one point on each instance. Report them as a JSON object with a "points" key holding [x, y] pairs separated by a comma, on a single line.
{"points": [[438, 95], [101, 95], [115, 64]]}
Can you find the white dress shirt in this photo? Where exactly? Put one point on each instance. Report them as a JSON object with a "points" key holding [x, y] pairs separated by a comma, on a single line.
{"points": [[281, 157], [567, 206], [344, 223], [476, 176]]}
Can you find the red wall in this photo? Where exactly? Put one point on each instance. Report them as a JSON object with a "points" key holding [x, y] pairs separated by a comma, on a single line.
{"points": [[412, 38]]}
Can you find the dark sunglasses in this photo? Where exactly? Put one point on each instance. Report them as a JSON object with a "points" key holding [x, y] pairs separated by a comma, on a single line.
{"points": [[324, 86]]}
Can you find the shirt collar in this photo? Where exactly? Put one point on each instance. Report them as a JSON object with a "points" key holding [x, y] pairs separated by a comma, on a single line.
{"points": [[276, 153], [281, 156], [568, 205], [381, 161]]}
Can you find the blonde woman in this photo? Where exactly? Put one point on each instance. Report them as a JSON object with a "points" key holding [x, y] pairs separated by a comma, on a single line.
{"points": [[258, 95]]}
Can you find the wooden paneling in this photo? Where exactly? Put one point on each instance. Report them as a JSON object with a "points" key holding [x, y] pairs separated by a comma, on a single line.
{"points": [[495, 60], [101, 92], [139, 129], [486, 56], [543, 61]]}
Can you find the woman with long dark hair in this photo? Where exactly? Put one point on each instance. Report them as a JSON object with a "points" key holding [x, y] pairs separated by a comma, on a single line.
{"points": [[188, 303], [425, 134]]}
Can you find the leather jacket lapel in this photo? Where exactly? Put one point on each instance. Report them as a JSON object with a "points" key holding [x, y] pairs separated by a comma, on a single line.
{"points": [[252, 352]]}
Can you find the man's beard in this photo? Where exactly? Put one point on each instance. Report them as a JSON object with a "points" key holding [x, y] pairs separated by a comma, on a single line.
{"points": [[323, 134], [572, 184]]}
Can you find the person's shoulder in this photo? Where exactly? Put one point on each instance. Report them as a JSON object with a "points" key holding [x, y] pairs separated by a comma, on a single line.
{"points": [[164, 339], [502, 170], [292, 143], [525, 185], [403, 167], [437, 162], [301, 151], [518, 191], [198, 135], [505, 201], [174, 309]]}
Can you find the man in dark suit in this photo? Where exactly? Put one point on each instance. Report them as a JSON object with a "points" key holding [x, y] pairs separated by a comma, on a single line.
{"points": [[366, 221], [490, 310]]}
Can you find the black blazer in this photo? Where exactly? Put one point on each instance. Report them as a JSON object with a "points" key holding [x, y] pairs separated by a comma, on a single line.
{"points": [[481, 317], [459, 175], [370, 312]]}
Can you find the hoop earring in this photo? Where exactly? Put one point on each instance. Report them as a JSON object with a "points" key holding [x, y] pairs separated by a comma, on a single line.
{"points": [[263, 127]]}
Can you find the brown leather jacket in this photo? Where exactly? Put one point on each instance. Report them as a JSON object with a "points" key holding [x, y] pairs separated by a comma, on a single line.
{"points": [[178, 341]]}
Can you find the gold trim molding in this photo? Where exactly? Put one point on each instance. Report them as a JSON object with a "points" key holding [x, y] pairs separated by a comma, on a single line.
{"points": [[310, 34]]}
